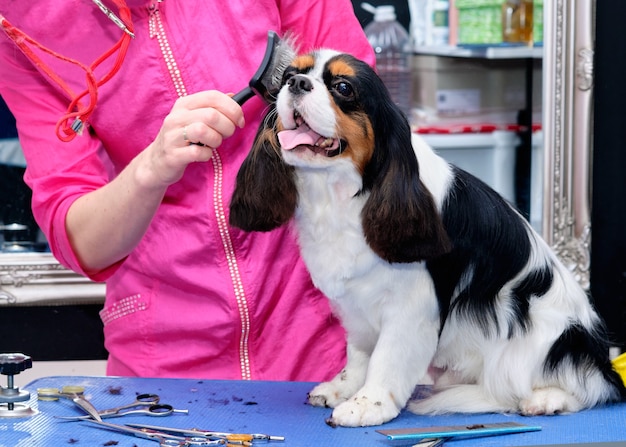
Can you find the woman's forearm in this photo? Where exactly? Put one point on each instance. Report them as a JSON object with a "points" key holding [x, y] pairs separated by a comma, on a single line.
{"points": [[104, 226]]}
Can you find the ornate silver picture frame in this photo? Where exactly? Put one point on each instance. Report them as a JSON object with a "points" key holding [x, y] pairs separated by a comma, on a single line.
{"points": [[567, 123]]}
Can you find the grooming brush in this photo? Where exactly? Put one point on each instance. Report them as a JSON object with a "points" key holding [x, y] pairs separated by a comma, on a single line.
{"points": [[266, 81]]}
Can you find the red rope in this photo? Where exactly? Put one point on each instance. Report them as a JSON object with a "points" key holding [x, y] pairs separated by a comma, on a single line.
{"points": [[77, 114]]}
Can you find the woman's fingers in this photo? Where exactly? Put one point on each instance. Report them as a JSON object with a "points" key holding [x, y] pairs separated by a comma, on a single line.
{"points": [[207, 126], [196, 125], [204, 118], [212, 99]]}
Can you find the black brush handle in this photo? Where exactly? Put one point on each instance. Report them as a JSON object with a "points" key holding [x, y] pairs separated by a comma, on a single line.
{"points": [[243, 95]]}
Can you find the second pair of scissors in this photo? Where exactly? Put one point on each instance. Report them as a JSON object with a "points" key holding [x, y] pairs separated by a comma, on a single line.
{"points": [[146, 404]]}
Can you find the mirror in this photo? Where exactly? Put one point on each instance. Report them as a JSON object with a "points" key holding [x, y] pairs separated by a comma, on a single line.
{"points": [[34, 277], [567, 123], [37, 278]]}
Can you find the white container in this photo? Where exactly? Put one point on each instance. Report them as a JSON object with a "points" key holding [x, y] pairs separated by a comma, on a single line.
{"points": [[429, 22], [441, 29], [488, 156]]}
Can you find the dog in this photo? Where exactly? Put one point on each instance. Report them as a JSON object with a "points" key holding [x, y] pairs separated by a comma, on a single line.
{"points": [[431, 272]]}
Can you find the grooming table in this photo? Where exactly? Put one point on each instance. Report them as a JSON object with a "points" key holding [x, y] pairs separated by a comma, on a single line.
{"points": [[275, 408]]}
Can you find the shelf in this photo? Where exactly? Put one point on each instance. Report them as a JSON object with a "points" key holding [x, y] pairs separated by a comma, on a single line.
{"points": [[483, 51]]}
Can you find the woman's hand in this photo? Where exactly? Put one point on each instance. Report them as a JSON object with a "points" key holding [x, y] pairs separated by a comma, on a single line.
{"points": [[196, 125], [105, 225]]}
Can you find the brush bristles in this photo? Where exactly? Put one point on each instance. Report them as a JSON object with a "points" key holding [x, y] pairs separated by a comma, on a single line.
{"points": [[284, 53]]}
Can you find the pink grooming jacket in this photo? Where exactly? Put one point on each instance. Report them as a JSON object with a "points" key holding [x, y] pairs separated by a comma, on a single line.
{"points": [[196, 298]]}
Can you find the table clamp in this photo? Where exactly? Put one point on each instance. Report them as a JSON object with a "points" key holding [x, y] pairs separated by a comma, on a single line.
{"points": [[11, 397]]}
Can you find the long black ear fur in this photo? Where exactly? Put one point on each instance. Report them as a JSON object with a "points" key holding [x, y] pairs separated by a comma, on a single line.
{"points": [[265, 194], [400, 218]]}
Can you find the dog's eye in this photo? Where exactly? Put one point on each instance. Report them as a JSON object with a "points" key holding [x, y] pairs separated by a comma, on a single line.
{"points": [[344, 89], [288, 74]]}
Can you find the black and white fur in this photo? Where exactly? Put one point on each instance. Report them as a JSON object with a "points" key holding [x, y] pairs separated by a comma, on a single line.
{"points": [[431, 272]]}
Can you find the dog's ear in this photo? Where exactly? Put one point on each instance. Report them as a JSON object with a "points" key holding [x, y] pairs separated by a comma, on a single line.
{"points": [[265, 193], [400, 218]]}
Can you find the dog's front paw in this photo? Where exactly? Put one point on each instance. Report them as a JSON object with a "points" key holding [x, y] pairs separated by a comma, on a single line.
{"points": [[364, 410], [328, 394]]}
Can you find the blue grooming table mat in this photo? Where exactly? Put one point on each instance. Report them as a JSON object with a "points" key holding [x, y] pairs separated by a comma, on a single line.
{"points": [[275, 408]]}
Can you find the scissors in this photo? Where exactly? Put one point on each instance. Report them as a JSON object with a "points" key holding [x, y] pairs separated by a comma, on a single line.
{"points": [[231, 438], [148, 405], [73, 393], [164, 439]]}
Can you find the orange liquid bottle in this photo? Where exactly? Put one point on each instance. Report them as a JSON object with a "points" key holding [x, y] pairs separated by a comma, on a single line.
{"points": [[517, 21]]}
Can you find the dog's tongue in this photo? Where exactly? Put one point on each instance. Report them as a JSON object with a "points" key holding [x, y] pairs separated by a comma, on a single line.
{"points": [[290, 139]]}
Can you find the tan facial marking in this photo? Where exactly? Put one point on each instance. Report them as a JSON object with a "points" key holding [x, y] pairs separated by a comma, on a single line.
{"points": [[304, 62], [356, 129], [339, 67]]}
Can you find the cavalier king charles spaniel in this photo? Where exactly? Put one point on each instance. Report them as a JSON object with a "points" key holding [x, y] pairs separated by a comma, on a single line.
{"points": [[432, 273]]}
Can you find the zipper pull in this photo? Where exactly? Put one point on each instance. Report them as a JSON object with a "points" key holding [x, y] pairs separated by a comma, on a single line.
{"points": [[153, 9]]}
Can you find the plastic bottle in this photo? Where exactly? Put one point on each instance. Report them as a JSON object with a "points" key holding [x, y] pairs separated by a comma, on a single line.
{"points": [[392, 46]]}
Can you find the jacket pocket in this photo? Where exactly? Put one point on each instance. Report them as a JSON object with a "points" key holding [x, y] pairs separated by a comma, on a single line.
{"points": [[124, 307]]}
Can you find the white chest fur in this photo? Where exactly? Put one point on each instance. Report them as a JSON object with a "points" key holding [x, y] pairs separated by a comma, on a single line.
{"points": [[342, 265]]}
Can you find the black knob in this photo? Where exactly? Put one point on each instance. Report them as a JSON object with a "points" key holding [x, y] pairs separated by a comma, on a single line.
{"points": [[11, 364]]}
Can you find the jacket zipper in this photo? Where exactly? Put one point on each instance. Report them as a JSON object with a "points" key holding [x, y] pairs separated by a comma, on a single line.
{"points": [[233, 267], [157, 30]]}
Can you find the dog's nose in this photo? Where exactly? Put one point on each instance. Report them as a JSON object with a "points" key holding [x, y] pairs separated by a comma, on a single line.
{"points": [[299, 84]]}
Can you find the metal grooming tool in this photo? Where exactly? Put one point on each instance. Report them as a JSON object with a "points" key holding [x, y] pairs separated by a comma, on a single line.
{"points": [[144, 404], [431, 442], [11, 397], [268, 78], [72, 393], [230, 438], [457, 431], [164, 439]]}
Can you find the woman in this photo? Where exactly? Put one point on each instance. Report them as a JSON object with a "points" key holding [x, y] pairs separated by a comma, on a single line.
{"points": [[131, 201]]}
